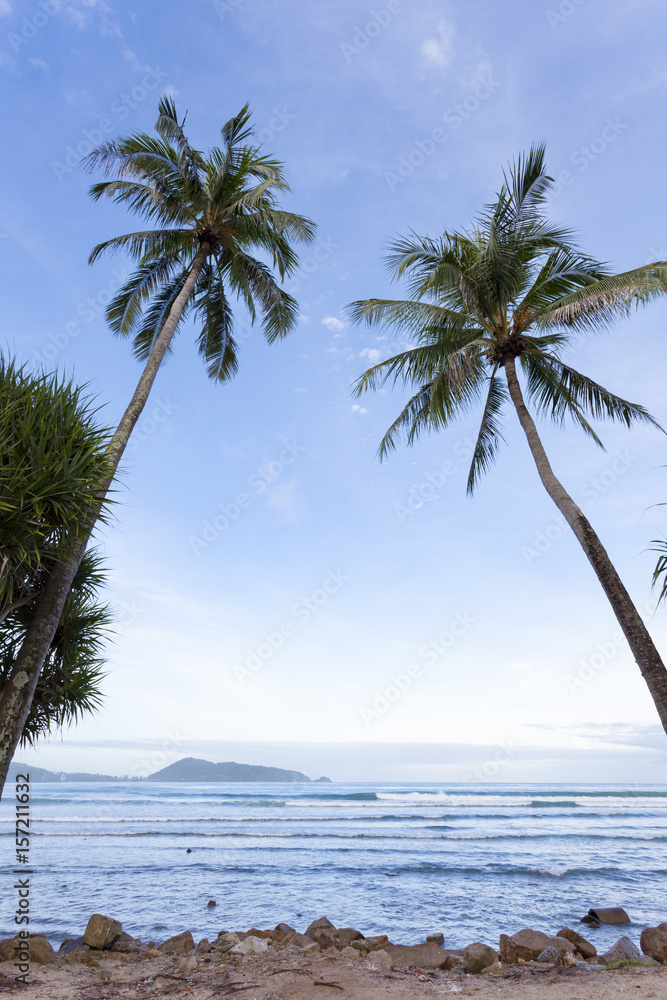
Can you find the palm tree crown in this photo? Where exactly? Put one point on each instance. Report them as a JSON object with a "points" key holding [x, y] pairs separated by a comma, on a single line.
{"points": [[220, 206], [515, 286]]}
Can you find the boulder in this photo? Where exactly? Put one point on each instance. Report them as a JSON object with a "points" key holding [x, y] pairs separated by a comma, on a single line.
{"points": [[623, 949], [101, 931], [282, 931], [494, 970], [551, 956], [225, 941], [319, 925], [204, 946], [347, 935], [349, 952], [478, 956], [254, 932], [653, 942], [179, 944], [436, 938], [250, 946], [584, 947], [36, 949], [325, 939], [528, 944], [73, 944], [360, 945], [609, 915], [427, 956], [379, 961], [377, 941]]}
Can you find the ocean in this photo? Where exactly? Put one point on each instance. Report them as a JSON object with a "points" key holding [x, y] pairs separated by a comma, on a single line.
{"points": [[397, 859]]}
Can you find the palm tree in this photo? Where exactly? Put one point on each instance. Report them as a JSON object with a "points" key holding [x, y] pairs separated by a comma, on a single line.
{"points": [[212, 211], [52, 455], [513, 287]]}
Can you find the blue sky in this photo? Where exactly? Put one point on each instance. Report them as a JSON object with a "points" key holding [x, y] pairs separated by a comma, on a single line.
{"points": [[274, 583]]}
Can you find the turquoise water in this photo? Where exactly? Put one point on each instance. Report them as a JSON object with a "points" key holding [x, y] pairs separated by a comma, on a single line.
{"points": [[405, 860]]}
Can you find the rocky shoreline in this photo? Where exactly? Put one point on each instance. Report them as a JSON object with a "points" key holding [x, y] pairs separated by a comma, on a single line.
{"points": [[134, 968]]}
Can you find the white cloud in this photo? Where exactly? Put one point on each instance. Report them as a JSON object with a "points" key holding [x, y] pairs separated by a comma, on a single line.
{"points": [[333, 323], [359, 409], [38, 63], [438, 51], [372, 355], [5, 8]]}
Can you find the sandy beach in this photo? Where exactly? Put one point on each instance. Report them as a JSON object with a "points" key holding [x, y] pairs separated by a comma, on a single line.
{"points": [[288, 976]]}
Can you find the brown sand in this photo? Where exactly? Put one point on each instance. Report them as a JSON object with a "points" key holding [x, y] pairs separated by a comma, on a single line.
{"points": [[302, 977]]}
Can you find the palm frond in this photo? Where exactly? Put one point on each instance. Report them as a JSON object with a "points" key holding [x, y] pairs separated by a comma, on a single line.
{"points": [[490, 435]]}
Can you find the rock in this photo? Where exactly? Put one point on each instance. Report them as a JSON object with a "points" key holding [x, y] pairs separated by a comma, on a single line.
{"points": [[101, 931], [653, 942], [377, 941], [35, 949], [73, 944], [379, 961], [250, 945], [179, 944], [609, 915], [427, 956], [319, 925], [478, 956], [495, 970], [347, 935], [551, 956], [187, 965], [211, 902], [527, 944], [324, 939], [224, 942], [204, 946], [282, 931], [349, 952], [624, 948], [454, 961], [360, 945], [436, 938], [312, 946], [584, 947]]}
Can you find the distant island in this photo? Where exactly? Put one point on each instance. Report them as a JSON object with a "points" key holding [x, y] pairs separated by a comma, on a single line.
{"points": [[192, 769]]}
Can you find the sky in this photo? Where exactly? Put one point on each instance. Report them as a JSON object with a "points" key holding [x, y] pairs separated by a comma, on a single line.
{"points": [[281, 596]]}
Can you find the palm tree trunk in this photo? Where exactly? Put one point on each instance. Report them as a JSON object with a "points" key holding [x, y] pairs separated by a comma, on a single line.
{"points": [[643, 649], [17, 694]]}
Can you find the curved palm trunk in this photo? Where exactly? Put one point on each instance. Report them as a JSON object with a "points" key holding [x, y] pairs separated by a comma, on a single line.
{"points": [[643, 649], [17, 695]]}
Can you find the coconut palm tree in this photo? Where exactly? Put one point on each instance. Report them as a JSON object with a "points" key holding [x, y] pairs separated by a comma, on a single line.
{"points": [[514, 288], [211, 213]]}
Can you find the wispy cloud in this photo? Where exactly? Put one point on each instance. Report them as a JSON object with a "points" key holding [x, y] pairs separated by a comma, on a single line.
{"points": [[438, 49]]}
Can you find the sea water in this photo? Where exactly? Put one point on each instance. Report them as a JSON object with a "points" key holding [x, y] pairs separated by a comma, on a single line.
{"points": [[405, 860]]}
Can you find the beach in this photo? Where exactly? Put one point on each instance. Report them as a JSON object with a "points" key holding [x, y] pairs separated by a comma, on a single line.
{"points": [[286, 975]]}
